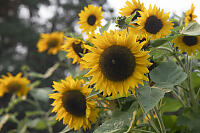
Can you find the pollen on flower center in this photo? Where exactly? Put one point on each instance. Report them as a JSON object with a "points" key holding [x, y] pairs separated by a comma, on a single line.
{"points": [[117, 63], [190, 40], [91, 20], [78, 49], [75, 103], [14, 86], [52, 43], [153, 25]]}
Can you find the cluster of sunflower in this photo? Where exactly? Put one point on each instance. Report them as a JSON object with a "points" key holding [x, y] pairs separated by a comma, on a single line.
{"points": [[116, 61]]}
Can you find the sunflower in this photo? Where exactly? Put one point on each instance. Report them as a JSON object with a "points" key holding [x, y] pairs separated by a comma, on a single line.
{"points": [[74, 48], [116, 63], [154, 23], [188, 44], [132, 8], [90, 18], [189, 15], [72, 104], [14, 84], [143, 39], [51, 41]]}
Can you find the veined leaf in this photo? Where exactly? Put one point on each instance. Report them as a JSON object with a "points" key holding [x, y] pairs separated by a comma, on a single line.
{"points": [[167, 74], [149, 97], [192, 29]]}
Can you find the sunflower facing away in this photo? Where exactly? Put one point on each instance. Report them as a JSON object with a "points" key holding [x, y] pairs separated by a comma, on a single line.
{"points": [[74, 48], [90, 18], [188, 44], [154, 23], [116, 63], [51, 41], [131, 8], [189, 15], [72, 104], [14, 84]]}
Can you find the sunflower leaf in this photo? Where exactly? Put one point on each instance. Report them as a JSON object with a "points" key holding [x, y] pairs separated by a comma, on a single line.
{"points": [[149, 97], [105, 27], [161, 41], [167, 75], [119, 121], [65, 130], [192, 29]]}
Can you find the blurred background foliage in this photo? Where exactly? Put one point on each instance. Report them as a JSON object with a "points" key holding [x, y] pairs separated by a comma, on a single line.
{"points": [[21, 22]]}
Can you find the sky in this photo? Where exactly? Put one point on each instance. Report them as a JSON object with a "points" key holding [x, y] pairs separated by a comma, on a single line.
{"points": [[174, 6]]}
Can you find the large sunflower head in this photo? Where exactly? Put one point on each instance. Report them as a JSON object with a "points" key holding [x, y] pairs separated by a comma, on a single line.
{"points": [[189, 15], [116, 63], [188, 44], [90, 18], [72, 105], [51, 41], [132, 8], [154, 23], [74, 48], [14, 84]]}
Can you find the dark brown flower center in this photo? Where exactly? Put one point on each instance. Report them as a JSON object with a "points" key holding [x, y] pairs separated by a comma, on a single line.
{"points": [[117, 63], [75, 103], [190, 17], [78, 49], [14, 86], [190, 40], [153, 25], [136, 15], [91, 20], [52, 43]]}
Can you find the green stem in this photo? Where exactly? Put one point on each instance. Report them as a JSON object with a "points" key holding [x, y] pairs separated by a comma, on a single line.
{"points": [[160, 121], [191, 90], [149, 120], [143, 131], [178, 98]]}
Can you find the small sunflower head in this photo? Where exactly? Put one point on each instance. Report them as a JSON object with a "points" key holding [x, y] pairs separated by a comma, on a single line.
{"points": [[90, 18], [132, 8], [154, 23], [51, 41], [72, 105], [121, 22], [14, 84], [189, 15], [75, 49], [188, 44]]}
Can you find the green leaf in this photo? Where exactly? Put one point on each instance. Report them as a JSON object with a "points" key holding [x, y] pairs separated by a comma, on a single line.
{"points": [[33, 113], [119, 121], [41, 94], [162, 41], [189, 119], [129, 19], [105, 28], [195, 79], [61, 55], [117, 124], [192, 29], [170, 105], [41, 124], [167, 74], [65, 130], [149, 97]]}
